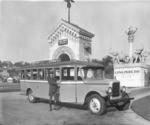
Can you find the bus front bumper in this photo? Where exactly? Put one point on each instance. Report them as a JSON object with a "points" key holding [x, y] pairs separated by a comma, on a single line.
{"points": [[120, 100]]}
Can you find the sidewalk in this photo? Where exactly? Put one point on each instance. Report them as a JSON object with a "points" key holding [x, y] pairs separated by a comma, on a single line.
{"points": [[141, 103]]}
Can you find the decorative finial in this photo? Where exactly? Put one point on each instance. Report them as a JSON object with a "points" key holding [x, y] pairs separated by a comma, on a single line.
{"points": [[131, 33], [69, 6]]}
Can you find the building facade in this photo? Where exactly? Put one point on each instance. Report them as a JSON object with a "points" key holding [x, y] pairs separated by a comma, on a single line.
{"points": [[68, 41]]}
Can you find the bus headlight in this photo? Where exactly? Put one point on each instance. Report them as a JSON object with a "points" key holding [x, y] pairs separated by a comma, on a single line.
{"points": [[123, 89], [109, 90]]}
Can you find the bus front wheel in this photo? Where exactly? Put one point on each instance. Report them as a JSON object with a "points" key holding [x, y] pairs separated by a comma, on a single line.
{"points": [[31, 97], [97, 105], [125, 104]]}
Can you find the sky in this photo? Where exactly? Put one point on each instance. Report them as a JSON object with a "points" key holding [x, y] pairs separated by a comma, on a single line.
{"points": [[25, 26]]}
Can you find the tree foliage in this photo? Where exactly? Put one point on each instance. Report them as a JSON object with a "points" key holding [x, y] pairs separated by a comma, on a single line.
{"points": [[107, 62], [12, 69], [0, 64], [13, 72], [18, 64], [7, 64]]}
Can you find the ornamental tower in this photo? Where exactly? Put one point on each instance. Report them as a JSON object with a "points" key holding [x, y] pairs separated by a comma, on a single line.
{"points": [[68, 41]]}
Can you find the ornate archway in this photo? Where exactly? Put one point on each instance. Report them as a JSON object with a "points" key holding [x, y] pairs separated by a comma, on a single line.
{"points": [[63, 53]]}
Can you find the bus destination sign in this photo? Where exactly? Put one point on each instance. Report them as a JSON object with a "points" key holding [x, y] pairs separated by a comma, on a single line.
{"points": [[62, 42]]}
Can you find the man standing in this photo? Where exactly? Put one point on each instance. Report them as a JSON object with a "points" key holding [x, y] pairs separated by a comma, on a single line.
{"points": [[53, 90]]}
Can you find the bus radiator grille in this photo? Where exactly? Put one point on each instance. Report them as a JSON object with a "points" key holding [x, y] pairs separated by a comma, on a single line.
{"points": [[116, 89]]}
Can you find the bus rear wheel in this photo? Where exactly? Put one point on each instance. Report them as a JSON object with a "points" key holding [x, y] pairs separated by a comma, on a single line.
{"points": [[31, 97]]}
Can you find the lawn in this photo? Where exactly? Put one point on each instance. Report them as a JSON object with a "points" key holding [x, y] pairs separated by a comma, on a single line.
{"points": [[142, 107]]}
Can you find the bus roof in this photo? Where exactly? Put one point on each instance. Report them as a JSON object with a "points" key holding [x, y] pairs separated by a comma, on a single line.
{"points": [[63, 63]]}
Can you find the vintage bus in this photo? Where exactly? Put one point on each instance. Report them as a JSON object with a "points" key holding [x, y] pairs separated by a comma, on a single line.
{"points": [[80, 82]]}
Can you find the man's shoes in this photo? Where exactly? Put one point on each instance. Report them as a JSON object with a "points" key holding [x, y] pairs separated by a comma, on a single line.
{"points": [[57, 107]]}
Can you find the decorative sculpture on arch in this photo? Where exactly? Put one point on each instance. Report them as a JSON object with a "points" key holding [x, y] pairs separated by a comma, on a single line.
{"points": [[130, 34], [119, 58], [137, 56], [145, 54], [114, 55], [127, 58]]}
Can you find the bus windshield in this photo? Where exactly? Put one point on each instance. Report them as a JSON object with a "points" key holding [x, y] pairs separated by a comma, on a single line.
{"points": [[92, 73]]}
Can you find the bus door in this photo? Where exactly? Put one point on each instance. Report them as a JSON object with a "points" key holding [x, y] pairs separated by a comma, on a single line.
{"points": [[67, 85], [44, 86], [81, 88], [38, 82]]}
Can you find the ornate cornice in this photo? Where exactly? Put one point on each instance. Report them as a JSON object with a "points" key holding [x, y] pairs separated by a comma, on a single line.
{"points": [[71, 29]]}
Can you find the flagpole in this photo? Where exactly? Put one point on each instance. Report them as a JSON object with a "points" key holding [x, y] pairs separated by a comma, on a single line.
{"points": [[69, 15]]}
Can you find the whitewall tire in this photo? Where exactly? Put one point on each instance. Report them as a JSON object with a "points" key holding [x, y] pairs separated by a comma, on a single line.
{"points": [[96, 105], [31, 97]]}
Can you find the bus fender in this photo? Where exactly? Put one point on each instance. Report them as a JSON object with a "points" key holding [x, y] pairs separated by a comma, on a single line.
{"points": [[90, 93]]}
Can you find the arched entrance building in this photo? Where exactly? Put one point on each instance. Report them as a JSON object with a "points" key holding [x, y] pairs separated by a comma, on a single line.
{"points": [[68, 41]]}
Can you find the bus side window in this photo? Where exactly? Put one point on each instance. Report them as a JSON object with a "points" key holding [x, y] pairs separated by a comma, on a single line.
{"points": [[57, 73], [28, 74], [90, 73], [41, 74], [47, 70], [34, 73], [79, 78], [68, 73], [22, 74]]}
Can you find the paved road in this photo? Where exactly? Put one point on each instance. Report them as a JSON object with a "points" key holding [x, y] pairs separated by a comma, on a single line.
{"points": [[15, 109]]}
